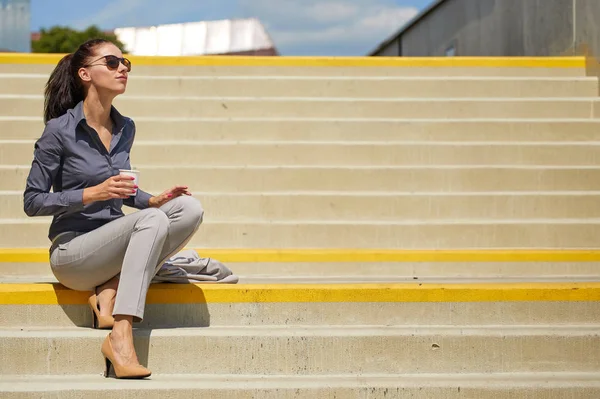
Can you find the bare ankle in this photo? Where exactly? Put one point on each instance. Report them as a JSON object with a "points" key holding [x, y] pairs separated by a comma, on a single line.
{"points": [[111, 285], [123, 327]]}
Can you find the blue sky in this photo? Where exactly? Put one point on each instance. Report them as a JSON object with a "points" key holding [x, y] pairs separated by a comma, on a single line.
{"points": [[298, 27]]}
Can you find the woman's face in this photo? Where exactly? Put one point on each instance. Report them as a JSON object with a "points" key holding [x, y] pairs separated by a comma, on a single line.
{"points": [[102, 77]]}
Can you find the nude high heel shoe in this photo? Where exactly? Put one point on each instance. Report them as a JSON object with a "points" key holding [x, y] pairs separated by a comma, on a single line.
{"points": [[100, 322], [121, 371]]}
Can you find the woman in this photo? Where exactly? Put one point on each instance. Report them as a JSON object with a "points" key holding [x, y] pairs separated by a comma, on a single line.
{"points": [[95, 247]]}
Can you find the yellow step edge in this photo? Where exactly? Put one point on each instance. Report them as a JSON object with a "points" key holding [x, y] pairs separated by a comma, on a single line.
{"points": [[479, 62], [56, 294], [39, 255]]}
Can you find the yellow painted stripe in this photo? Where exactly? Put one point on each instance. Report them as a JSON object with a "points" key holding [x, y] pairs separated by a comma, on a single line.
{"points": [[37, 255], [490, 62], [54, 294]]}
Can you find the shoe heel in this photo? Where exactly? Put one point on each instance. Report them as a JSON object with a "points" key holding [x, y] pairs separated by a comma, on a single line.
{"points": [[99, 322], [107, 370], [121, 371], [94, 320]]}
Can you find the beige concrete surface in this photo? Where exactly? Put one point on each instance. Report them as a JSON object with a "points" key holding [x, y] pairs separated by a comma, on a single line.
{"points": [[340, 163], [318, 314], [314, 350], [339, 153], [306, 281], [430, 386], [410, 270], [407, 234], [289, 106], [319, 130], [374, 206], [351, 179], [332, 86], [146, 70]]}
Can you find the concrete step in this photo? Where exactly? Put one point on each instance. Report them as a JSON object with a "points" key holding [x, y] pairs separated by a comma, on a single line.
{"points": [[346, 153], [306, 350], [278, 278], [495, 302], [560, 385], [357, 269], [222, 179], [407, 234], [333, 86], [19, 263], [397, 66], [375, 207], [329, 107], [327, 330], [319, 130]]}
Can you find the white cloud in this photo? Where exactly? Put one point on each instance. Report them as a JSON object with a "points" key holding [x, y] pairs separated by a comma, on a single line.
{"points": [[387, 18], [361, 29], [332, 12], [126, 13], [111, 12], [298, 27], [326, 26]]}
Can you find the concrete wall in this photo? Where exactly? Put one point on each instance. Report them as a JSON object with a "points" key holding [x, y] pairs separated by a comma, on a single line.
{"points": [[501, 28], [391, 50], [587, 24]]}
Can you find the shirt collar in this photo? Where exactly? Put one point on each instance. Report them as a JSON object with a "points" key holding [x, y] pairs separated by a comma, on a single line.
{"points": [[115, 115]]}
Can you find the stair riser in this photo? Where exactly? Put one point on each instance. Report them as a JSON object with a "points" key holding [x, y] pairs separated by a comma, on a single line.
{"points": [[297, 354], [246, 70], [281, 87], [221, 108], [427, 179], [335, 130], [257, 314], [380, 236], [455, 392], [389, 208], [277, 154], [357, 270]]}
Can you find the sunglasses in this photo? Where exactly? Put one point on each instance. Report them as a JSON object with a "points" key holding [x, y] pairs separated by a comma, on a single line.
{"points": [[113, 62]]}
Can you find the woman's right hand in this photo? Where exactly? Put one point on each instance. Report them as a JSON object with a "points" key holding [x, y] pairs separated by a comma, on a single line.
{"points": [[119, 186]]}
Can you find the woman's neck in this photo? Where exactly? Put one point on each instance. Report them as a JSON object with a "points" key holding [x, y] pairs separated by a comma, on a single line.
{"points": [[97, 110]]}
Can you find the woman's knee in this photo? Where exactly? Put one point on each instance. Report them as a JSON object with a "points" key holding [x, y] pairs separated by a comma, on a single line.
{"points": [[192, 208], [154, 218]]}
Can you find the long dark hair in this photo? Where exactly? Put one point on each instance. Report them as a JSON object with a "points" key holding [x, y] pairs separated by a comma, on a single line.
{"points": [[64, 90]]}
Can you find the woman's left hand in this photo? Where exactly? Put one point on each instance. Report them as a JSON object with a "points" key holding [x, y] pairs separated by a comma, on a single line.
{"points": [[168, 195]]}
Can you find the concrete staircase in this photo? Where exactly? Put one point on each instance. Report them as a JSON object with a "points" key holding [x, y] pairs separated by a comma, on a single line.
{"points": [[403, 228]]}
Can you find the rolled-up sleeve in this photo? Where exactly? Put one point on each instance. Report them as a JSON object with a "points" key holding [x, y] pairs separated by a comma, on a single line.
{"points": [[37, 198]]}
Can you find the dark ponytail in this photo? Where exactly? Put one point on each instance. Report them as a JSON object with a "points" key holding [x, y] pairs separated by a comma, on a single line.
{"points": [[64, 90]]}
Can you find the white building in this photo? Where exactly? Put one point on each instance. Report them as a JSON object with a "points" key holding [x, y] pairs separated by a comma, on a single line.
{"points": [[15, 22], [238, 36]]}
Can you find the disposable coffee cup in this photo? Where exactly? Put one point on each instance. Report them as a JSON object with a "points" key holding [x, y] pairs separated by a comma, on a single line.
{"points": [[133, 173]]}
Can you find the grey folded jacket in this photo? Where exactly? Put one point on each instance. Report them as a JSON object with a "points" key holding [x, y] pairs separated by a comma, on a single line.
{"points": [[188, 267]]}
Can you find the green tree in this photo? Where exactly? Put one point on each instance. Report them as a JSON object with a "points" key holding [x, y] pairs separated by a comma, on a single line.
{"points": [[62, 39]]}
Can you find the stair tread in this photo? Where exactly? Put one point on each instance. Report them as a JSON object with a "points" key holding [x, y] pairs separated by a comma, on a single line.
{"points": [[406, 222], [575, 330], [378, 279], [55, 294], [229, 381]]}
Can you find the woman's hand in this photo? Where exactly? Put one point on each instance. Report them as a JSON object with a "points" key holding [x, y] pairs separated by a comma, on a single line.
{"points": [[160, 200], [119, 186]]}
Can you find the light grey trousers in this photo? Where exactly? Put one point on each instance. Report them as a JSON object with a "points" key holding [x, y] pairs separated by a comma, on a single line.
{"points": [[134, 246]]}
